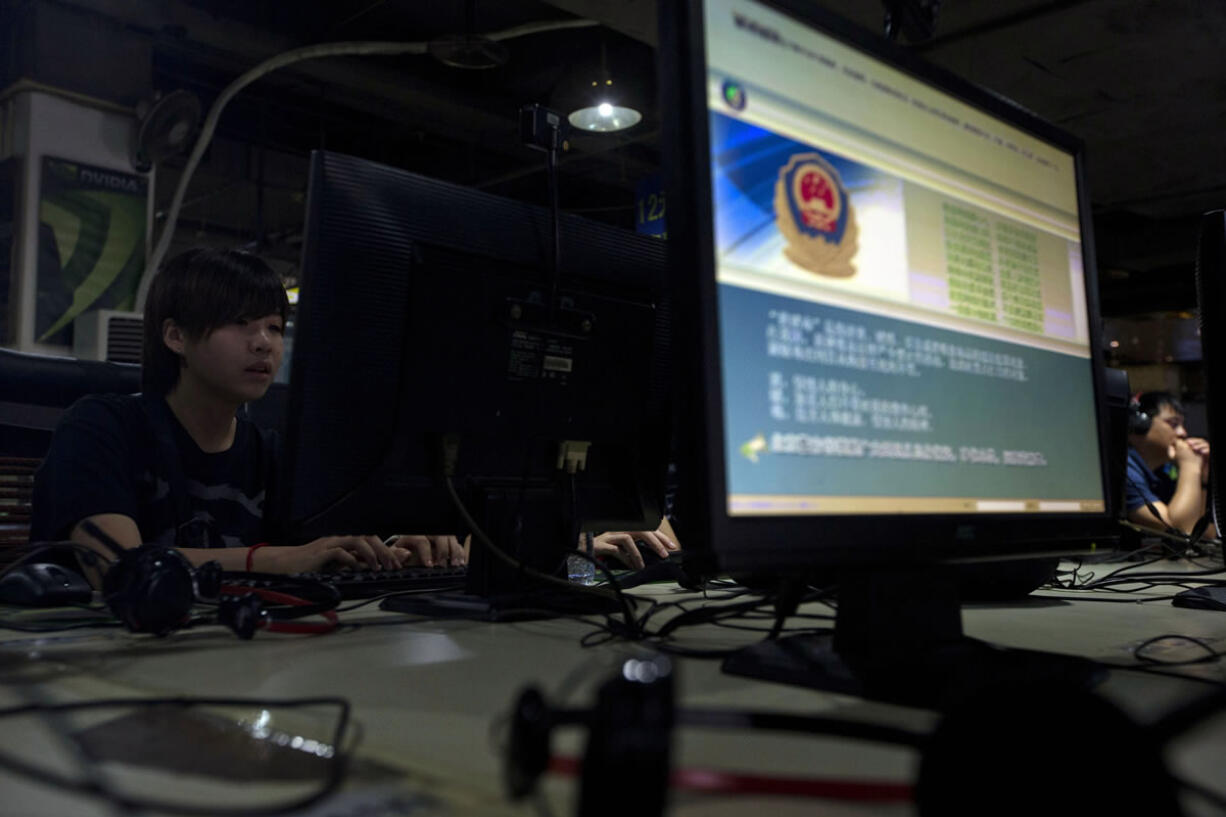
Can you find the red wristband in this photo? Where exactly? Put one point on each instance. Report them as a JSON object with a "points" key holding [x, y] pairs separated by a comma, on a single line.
{"points": [[251, 552]]}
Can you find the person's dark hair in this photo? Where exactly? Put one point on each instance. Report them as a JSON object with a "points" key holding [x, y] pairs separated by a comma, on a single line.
{"points": [[200, 290], [1151, 402]]}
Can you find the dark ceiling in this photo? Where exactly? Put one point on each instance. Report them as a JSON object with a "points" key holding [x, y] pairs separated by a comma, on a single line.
{"points": [[1143, 82]]}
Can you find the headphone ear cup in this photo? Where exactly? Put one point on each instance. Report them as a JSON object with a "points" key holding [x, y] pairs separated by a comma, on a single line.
{"points": [[528, 750], [1138, 421], [150, 589], [629, 739], [243, 614], [1009, 746]]}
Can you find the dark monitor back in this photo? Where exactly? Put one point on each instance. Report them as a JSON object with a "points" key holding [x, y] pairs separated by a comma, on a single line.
{"points": [[424, 315], [1211, 298], [1119, 407]]}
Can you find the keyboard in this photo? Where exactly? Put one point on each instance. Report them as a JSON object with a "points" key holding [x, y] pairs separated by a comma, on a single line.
{"points": [[365, 584]]}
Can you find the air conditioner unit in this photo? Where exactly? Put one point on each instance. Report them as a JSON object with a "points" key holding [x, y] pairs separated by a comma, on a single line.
{"points": [[107, 334]]}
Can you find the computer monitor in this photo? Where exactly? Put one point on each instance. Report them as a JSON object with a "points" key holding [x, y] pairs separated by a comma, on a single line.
{"points": [[885, 277], [428, 332], [1211, 300]]}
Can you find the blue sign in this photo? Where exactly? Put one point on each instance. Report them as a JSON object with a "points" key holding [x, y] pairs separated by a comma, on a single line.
{"points": [[649, 207]]}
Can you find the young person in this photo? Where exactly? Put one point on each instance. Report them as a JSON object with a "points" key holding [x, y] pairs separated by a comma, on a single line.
{"points": [[1167, 475], [178, 464]]}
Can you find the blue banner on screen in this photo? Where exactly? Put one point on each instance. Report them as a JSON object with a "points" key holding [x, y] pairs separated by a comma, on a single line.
{"points": [[817, 397]]}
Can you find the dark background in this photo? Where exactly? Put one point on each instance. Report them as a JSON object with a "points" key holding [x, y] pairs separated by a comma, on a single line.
{"points": [[1142, 82]]}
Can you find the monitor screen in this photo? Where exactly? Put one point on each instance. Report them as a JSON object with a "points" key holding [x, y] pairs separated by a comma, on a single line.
{"points": [[892, 294], [431, 341]]}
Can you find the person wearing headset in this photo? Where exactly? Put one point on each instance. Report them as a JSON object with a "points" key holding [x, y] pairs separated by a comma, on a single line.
{"points": [[1167, 474], [179, 464]]}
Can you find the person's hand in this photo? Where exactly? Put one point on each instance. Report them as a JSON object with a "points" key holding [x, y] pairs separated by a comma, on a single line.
{"points": [[621, 546], [1200, 447], [1187, 452], [353, 552], [429, 551]]}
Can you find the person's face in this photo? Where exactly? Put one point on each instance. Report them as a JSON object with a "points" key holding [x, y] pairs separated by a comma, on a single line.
{"points": [[237, 360], [1166, 428]]}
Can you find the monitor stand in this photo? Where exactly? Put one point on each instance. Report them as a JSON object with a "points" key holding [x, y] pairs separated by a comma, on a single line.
{"points": [[898, 638], [521, 523]]}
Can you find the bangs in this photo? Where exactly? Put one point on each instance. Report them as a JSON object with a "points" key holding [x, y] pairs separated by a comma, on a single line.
{"points": [[265, 296], [241, 288]]}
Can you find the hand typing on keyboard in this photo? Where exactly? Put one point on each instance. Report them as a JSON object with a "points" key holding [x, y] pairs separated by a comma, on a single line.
{"points": [[360, 553], [428, 551]]}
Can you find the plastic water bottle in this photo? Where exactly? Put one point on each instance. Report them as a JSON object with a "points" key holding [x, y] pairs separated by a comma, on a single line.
{"points": [[580, 570]]}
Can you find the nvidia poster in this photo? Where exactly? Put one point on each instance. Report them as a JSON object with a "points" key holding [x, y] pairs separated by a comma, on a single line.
{"points": [[91, 244]]}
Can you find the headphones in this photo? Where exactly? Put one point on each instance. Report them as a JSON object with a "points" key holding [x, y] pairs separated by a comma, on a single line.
{"points": [[626, 762], [152, 589], [979, 748], [1138, 421]]}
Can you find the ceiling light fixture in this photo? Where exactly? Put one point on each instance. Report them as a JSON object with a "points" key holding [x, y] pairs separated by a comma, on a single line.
{"points": [[602, 105]]}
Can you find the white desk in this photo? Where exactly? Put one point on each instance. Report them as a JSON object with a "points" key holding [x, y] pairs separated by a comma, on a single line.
{"points": [[426, 695]]}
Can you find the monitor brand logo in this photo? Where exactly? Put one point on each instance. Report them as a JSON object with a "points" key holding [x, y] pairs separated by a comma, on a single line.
{"points": [[815, 216]]}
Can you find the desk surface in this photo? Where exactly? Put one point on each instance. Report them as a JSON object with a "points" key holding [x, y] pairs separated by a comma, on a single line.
{"points": [[428, 698]]}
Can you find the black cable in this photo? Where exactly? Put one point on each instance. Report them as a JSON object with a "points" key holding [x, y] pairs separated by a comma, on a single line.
{"points": [[703, 615], [1149, 504], [802, 724], [1178, 537], [1080, 599], [102, 536], [39, 548], [1210, 656], [1158, 579], [700, 653], [336, 773], [480, 536]]}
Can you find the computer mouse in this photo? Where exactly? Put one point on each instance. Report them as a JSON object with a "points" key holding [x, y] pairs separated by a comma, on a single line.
{"points": [[1201, 598], [43, 584], [650, 557]]}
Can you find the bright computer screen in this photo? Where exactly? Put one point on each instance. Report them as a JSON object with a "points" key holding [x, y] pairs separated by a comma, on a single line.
{"points": [[886, 282], [898, 279], [902, 310]]}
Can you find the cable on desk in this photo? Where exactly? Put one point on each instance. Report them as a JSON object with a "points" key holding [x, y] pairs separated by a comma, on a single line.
{"points": [[1211, 654], [1151, 580], [94, 788], [56, 722], [1080, 599], [801, 724], [1170, 531], [485, 541], [717, 781], [90, 556]]}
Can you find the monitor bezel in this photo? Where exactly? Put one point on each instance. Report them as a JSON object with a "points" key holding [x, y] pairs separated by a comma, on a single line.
{"points": [[784, 542]]}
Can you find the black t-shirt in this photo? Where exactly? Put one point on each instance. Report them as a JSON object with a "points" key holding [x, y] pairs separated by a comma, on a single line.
{"points": [[116, 454]]}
